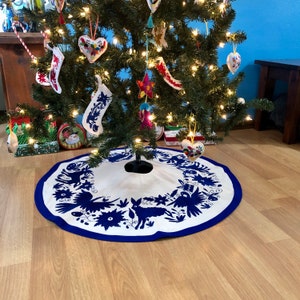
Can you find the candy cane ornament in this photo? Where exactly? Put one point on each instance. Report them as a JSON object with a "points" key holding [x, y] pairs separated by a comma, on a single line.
{"points": [[40, 77]]}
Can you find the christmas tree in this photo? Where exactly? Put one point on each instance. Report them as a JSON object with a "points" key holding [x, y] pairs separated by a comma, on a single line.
{"points": [[131, 66]]}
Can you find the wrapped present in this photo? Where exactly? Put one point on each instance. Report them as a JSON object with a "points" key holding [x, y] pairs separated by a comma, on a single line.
{"points": [[24, 145], [171, 139], [36, 149], [19, 120]]}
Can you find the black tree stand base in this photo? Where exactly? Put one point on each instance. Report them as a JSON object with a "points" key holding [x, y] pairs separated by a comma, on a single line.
{"points": [[138, 166]]}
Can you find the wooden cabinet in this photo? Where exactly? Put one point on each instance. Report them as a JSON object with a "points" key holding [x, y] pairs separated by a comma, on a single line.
{"points": [[17, 76], [287, 70]]}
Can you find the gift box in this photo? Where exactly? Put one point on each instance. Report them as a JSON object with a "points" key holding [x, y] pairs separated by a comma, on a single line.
{"points": [[171, 139], [36, 149], [20, 126], [19, 120]]}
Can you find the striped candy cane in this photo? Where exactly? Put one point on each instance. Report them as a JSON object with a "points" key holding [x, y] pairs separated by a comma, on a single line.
{"points": [[20, 39], [40, 78]]}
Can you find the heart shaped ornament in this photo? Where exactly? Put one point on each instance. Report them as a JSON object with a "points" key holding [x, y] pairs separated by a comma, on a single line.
{"points": [[233, 61], [92, 49], [192, 150]]}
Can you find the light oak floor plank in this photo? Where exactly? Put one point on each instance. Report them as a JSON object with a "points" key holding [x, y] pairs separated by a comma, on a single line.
{"points": [[252, 254]]}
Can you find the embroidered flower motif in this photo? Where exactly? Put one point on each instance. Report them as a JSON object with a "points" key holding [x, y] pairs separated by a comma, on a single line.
{"points": [[62, 194], [110, 219]]}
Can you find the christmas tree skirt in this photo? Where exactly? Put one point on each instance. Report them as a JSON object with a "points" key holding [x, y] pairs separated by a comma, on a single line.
{"points": [[178, 197]]}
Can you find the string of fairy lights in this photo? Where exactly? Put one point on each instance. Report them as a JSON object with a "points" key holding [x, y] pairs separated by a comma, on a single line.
{"points": [[85, 13]]}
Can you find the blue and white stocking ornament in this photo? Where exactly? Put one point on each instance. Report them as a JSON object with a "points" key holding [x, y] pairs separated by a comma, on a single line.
{"points": [[100, 100]]}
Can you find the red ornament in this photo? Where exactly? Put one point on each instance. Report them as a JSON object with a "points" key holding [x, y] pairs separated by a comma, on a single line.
{"points": [[145, 87], [71, 137]]}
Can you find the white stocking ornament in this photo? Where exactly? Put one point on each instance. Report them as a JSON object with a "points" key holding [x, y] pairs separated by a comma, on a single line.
{"points": [[42, 79], [57, 61], [100, 100]]}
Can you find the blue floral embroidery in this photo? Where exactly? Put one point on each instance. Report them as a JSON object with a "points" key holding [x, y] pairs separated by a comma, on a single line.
{"points": [[94, 114], [74, 192]]}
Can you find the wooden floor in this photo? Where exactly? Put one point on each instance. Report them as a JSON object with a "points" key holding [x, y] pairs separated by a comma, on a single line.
{"points": [[252, 254]]}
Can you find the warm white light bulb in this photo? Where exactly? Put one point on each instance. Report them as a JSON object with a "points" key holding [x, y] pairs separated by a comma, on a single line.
{"points": [[95, 152], [195, 32], [75, 113], [191, 134], [31, 141], [194, 68], [152, 117], [47, 32], [115, 41], [222, 7], [229, 92], [169, 118]]}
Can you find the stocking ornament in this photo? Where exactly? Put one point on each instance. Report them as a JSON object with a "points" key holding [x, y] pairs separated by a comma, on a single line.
{"points": [[92, 48], [42, 79], [57, 61], [161, 67], [100, 100]]}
